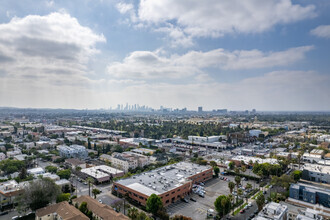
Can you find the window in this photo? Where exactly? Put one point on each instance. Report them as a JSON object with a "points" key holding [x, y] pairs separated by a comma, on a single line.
{"points": [[167, 201], [173, 192]]}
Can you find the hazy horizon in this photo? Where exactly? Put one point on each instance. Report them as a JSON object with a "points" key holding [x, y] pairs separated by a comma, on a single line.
{"points": [[265, 55]]}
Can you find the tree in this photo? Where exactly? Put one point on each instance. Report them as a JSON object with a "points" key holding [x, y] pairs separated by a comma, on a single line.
{"points": [[89, 146], [231, 165], [231, 186], [154, 203], [216, 171], [89, 180], [23, 173], [248, 186], [83, 207], [296, 175], [51, 169], [260, 201], [222, 205], [213, 163], [133, 213], [64, 174], [63, 197], [237, 180], [96, 192], [243, 168], [38, 193]]}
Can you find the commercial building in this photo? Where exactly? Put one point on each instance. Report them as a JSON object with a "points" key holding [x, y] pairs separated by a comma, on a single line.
{"points": [[75, 151], [102, 173], [316, 172], [310, 194], [62, 210], [209, 139], [170, 183], [273, 210], [99, 210], [254, 133], [247, 159], [134, 142]]}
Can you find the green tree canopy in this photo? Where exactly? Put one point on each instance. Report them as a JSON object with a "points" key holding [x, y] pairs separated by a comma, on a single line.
{"points": [[38, 193], [222, 205], [63, 197], [154, 204], [64, 174], [51, 169]]}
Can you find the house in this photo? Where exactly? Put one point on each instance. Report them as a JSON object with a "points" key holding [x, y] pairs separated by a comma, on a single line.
{"points": [[62, 210], [100, 211]]}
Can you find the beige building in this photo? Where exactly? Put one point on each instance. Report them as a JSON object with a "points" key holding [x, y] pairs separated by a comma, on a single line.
{"points": [[100, 211], [9, 190], [62, 210]]}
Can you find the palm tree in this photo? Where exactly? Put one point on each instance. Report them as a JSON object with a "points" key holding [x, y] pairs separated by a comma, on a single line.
{"points": [[89, 180], [96, 192], [237, 180], [231, 186], [133, 213], [243, 168], [231, 198], [224, 204], [240, 192]]}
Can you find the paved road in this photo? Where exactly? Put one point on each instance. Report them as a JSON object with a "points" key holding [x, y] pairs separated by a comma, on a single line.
{"points": [[248, 212]]}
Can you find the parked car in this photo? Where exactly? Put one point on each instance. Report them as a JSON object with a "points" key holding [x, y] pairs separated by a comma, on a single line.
{"points": [[185, 200], [192, 199], [242, 211]]}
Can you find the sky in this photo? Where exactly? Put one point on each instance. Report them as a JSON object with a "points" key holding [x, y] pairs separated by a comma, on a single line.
{"points": [[271, 55]]}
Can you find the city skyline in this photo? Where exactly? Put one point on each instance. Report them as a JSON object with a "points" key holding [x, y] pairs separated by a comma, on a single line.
{"points": [[270, 56]]}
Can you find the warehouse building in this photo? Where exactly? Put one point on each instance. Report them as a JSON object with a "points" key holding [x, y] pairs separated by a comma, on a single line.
{"points": [[170, 183]]}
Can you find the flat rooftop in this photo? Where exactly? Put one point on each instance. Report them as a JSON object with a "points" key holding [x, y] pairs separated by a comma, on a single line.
{"points": [[163, 179], [101, 171], [318, 168]]}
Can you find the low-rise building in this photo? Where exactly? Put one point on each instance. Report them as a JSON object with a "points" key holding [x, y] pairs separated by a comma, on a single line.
{"points": [[273, 210], [310, 194], [312, 158], [75, 151], [316, 172], [100, 211], [2, 156], [9, 190], [209, 139], [62, 210], [36, 171], [170, 183], [102, 173], [74, 163], [134, 142]]}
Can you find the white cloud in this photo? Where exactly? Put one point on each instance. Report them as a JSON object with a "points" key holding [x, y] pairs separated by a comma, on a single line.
{"points": [[42, 55], [214, 18], [123, 7], [149, 65], [322, 31]]}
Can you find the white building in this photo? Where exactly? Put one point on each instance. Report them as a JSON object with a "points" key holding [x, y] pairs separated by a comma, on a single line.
{"points": [[75, 151], [2, 156], [309, 214], [316, 172], [309, 157], [273, 210], [254, 133], [209, 139], [36, 171]]}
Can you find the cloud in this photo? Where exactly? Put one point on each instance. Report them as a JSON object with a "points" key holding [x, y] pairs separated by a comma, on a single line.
{"points": [[44, 60], [152, 65], [47, 49], [213, 18], [321, 31], [123, 7]]}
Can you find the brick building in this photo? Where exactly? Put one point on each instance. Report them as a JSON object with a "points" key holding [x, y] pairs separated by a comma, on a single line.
{"points": [[170, 183]]}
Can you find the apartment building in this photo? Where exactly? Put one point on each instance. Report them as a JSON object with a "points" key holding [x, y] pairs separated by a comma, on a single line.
{"points": [[316, 172], [9, 190], [274, 211], [100, 211], [62, 210], [75, 151], [310, 194]]}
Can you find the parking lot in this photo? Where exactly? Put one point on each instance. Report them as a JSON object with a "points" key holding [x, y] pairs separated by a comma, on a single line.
{"points": [[198, 210]]}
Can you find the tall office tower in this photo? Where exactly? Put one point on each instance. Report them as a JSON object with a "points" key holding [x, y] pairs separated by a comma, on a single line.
{"points": [[200, 109]]}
